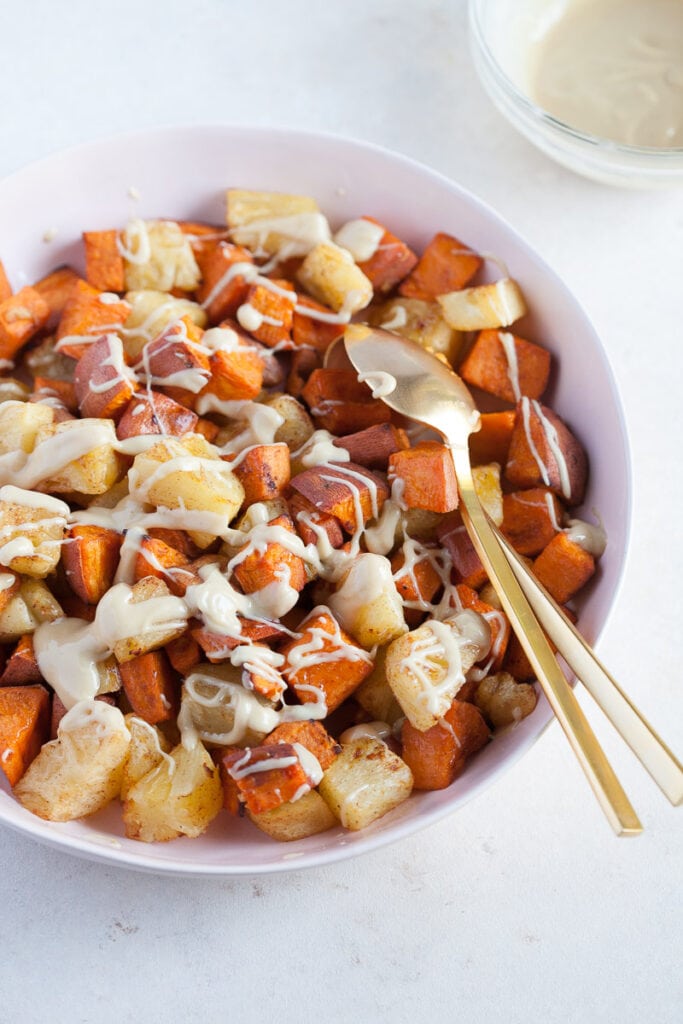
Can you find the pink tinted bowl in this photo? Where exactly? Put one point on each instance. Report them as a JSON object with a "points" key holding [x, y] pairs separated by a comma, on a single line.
{"points": [[183, 173]]}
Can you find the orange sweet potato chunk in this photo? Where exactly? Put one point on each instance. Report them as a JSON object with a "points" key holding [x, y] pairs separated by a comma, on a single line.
{"points": [[235, 374], [373, 446], [311, 735], [21, 317], [563, 567], [91, 557], [417, 582], [103, 384], [390, 263], [22, 667], [151, 412], [324, 660], [543, 451], [446, 265], [304, 513], [437, 756], [155, 558], [276, 311], [497, 621], [492, 442], [311, 332], [343, 490], [276, 562], [56, 288], [183, 653], [151, 687], [531, 519], [5, 286], [24, 727], [340, 403], [488, 367], [261, 788], [223, 288], [264, 472], [53, 387], [104, 264], [467, 565], [428, 476], [85, 315]]}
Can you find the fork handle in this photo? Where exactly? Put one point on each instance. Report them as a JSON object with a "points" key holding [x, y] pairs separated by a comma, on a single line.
{"points": [[561, 697], [648, 747]]}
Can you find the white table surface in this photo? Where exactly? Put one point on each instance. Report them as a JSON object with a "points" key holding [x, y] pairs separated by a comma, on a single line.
{"points": [[522, 907]]}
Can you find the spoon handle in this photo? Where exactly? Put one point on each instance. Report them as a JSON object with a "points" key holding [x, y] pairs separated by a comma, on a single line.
{"points": [[631, 725], [559, 693]]}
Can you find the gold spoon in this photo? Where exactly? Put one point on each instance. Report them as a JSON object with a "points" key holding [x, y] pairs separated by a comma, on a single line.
{"points": [[423, 388]]}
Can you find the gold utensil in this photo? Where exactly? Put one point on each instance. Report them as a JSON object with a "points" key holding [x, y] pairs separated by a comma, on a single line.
{"points": [[629, 722], [423, 388]]}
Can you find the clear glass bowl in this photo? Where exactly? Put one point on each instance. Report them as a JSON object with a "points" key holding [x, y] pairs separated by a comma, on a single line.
{"points": [[501, 32]]}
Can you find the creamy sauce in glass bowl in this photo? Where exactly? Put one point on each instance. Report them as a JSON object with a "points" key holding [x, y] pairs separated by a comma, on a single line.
{"points": [[614, 69]]}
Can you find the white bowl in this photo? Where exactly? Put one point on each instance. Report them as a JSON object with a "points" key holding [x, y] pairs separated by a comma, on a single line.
{"points": [[183, 172], [501, 35]]}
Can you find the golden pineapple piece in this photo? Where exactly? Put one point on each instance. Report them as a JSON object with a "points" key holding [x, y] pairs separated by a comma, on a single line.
{"points": [[163, 620], [307, 816], [375, 695], [364, 782], [487, 485], [147, 748], [31, 530], [180, 796], [426, 667], [13, 390], [40, 601], [95, 467], [150, 313], [81, 771], [275, 222], [297, 425], [420, 321], [367, 604], [20, 423], [485, 305], [329, 274], [222, 711], [160, 257], [502, 700]]}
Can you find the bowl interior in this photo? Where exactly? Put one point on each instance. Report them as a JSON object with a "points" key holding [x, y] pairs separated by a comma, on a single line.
{"points": [[184, 173]]}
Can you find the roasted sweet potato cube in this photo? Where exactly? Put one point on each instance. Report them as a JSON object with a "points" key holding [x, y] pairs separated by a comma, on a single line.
{"points": [[264, 472], [235, 375], [259, 675], [223, 288], [491, 443], [311, 524], [498, 624], [417, 580], [543, 451], [269, 314], [266, 776], [445, 266], [343, 490], [22, 667], [563, 567], [183, 653], [178, 539], [104, 384], [262, 566], [341, 404], [63, 390], [176, 358], [428, 477], [5, 286], [373, 446], [91, 557], [311, 735], [506, 365], [57, 289], [150, 412], [21, 317], [202, 236], [217, 646], [390, 263], [531, 519], [437, 756], [87, 315], [24, 727], [467, 565], [309, 331], [151, 687], [155, 558], [324, 662], [104, 265], [302, 364]]}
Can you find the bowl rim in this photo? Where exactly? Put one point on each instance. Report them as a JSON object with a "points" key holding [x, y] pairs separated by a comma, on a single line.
{"points": [[105, 848], [597, 143]]}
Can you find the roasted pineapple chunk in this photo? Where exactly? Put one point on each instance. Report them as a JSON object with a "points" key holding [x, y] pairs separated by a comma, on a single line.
{"points": [[159, 256], [20, 423], [275, 221], [180, 796], [426, 668], [31, 530], [147, 748], [487, 485], [375, 695], [150, 313], [93, 471], [329, 274], [364, 782], [222, 711], [420, 321], [367, 604], [81, 771], [486, 305], [502, 700], [295, 820], [164, 620], [25, 610]]}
